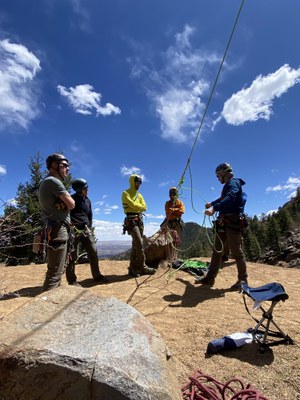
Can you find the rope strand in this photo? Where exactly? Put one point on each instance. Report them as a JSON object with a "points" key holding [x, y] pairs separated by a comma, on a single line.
{"points": [[211, 93]]}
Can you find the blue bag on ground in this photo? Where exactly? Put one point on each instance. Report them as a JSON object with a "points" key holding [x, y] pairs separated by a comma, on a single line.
{"points": [[229, 342]]}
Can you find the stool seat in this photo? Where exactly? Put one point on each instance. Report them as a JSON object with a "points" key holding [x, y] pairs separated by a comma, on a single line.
{"points": [[270, 292], [273, 292]]}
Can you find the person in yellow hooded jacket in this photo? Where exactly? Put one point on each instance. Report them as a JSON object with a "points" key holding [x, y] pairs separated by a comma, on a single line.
{"points": [[134, 205]]}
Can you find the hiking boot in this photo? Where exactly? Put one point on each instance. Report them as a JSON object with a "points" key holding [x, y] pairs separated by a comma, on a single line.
{"points": [[133, 272], [75, 283], [238, 284], [101, 279], [206, 281], [148, 271]]}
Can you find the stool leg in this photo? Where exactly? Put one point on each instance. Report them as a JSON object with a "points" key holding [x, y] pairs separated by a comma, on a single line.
{"points": [[268, 315]]}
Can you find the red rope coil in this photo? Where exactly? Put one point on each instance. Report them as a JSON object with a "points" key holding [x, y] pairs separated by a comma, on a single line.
{"points": [[204, 387]]}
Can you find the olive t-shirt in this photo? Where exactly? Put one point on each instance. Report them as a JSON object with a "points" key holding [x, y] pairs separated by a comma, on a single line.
{"points": [[49, 191]]}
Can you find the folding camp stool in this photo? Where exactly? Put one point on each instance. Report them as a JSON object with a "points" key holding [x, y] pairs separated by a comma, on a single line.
{"points": [[273, 292]]}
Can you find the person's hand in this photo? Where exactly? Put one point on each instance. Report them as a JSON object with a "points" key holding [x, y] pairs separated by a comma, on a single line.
{"points": [[207, 205], [60, 205], [209, 212]]}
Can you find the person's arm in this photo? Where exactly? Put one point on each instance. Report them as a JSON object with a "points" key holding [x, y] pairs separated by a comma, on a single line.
{"points": [[138, 205], [168, 209], [177, 209], [90, 214], [67, 199], [231, 194]]}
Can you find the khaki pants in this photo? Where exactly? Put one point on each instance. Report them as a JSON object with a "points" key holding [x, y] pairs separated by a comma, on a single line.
{"points": [[56, 254], [137, 255]]}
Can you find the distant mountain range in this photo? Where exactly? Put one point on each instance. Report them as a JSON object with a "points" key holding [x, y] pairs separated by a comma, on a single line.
{"points": [[195, 243], [109, 249]]}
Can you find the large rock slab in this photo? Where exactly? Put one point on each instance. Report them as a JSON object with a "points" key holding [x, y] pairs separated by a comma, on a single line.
{"points": [[70, 344], [159, 247]]}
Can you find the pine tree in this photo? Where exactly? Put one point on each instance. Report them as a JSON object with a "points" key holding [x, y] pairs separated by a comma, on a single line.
{"points": [[273, 234], [252, 247], [284, 220], [27, 194], [23, 220]]}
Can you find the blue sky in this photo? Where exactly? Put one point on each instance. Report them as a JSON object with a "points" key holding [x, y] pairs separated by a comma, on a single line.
{"points": [[121, 86]]}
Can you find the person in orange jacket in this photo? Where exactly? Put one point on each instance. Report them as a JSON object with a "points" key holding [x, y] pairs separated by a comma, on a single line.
{"points": [[174, 209]]}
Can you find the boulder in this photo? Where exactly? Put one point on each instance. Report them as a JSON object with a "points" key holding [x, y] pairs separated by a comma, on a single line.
{"points": [[159, 246], [68, 343]]}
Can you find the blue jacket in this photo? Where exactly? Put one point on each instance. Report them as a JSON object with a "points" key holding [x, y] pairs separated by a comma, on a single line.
{"points": [[233, 199]]}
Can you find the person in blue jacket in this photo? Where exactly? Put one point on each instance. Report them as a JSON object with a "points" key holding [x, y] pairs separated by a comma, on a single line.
{"points": [[230, 224]]}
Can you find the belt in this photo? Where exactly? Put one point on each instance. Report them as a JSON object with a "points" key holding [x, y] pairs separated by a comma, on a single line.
{"points": [[58, 224]]}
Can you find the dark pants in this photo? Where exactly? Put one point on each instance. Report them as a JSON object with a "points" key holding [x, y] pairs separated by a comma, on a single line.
{"points": [[86, 239], [137, 255], [176, 224], [234, 240], [56, 255]]}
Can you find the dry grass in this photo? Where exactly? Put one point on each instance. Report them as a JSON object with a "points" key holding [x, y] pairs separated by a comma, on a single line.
{"points": [[189, 316]]}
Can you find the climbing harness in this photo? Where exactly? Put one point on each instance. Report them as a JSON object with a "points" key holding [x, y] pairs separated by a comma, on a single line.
{"points": [[131, 220]]}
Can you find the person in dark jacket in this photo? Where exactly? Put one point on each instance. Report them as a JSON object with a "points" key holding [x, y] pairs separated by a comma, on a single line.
{"points": [[81, 220], [229, 225]]}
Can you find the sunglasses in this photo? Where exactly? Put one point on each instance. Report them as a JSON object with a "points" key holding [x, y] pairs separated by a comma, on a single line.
{"points": [[139, 181], [64, 165]]}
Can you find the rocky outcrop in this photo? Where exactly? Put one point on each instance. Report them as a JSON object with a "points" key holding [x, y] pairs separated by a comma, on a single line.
{"points": [[159, 247], [289, 253], [71, 344]]}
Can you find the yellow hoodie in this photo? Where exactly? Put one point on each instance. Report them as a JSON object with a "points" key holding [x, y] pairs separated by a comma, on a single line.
{"points": [[132, 200]]}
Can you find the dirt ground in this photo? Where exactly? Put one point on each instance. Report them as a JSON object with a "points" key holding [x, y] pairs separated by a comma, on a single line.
{"points": [[189, 315]]}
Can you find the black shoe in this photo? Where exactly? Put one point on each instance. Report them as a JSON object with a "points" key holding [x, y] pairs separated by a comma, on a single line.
{"points": [[133, 272], [206, 281], [225, 258], [238, 284], [101, 279], [75, 283], [148, 271]]}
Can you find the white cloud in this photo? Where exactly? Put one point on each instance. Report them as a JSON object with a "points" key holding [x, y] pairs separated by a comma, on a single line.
{"points": [[176, 88], [151, 228], [127, 171], [267, 214], [113, 230], [11, 203], [104, 207], [84, 100], [155, 216], [167, 183], [109, 230], [256, 101], [3, 170], [82, 12], [18, 96], [289, 187]]}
